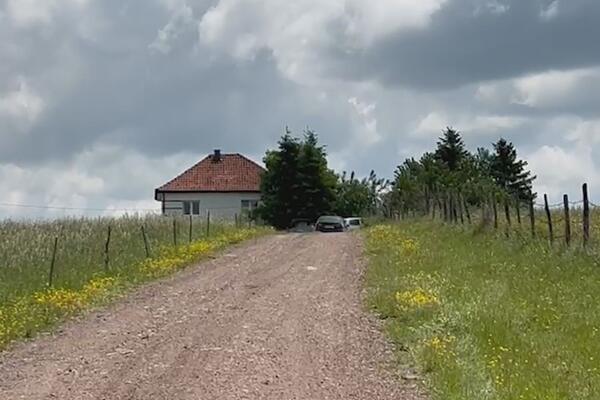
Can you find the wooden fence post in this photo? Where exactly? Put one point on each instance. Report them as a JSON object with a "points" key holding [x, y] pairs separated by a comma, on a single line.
{"points": [[146, 246], [549, 217], [106, 248], [445, 206], [507, 216], [454, 209], [191, 229], [486, 213], [495, 211], [567, 220], [586, 215], [207, 223], [466, 208], [507, 211], [461, 207], [467, 211], [175, 231], [427, 201], [53, 262], [532, 216], [236, 220], [450, 207]]}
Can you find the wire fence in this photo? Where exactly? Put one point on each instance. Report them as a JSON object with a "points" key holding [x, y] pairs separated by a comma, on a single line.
{"points": [[224, 214], [570, 222], [65, 251]]}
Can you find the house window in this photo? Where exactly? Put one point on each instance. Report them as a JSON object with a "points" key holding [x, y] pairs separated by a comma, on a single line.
{"points": [[191, 208], [249, 205]]}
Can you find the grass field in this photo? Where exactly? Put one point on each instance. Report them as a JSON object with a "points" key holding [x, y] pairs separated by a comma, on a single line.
{"points": [[486, 317], [81, 279]]}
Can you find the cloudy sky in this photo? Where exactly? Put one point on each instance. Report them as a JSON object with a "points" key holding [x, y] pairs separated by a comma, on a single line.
{"points": [[101, 101]]}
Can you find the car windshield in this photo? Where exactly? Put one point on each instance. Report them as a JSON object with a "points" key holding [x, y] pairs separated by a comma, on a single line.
{"points": [[329, 220]]}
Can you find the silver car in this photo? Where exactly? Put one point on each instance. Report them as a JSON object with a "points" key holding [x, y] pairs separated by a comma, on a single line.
{"points": [[353, 223]]}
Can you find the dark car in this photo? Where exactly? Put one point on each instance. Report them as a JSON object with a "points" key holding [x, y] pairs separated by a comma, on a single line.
{"points": [[330, 223], [301, 225]]}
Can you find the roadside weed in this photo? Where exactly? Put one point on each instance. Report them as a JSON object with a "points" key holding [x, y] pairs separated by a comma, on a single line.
{"points": [[487, 318], [28, 305]]}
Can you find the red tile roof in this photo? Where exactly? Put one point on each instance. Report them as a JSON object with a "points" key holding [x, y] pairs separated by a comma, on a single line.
{"points": [[232, 173]]}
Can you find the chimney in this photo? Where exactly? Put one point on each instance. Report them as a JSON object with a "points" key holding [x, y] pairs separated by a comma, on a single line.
{"points": [[217, 155]]}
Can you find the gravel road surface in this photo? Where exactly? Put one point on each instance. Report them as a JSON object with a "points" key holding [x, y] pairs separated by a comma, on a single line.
{"points": [[277, 318]]}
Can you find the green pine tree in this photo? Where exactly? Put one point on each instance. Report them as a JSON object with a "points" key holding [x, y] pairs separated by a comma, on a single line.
{"points": [[297, 182], [280, 183], [509, 172], [317, 183], [451, 149]]}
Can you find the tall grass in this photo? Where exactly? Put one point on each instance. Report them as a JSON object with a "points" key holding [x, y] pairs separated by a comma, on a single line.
{"points": [[80, 278], [541, 231], [485, 317]]}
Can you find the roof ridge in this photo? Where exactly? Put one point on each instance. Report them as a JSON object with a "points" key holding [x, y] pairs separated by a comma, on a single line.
{"points": [[238, 165], [184, 172], [251, 160]]}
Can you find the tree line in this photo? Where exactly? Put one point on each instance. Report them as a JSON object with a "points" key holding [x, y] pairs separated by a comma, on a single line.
{"points": [[450, 169], [298, 183]]}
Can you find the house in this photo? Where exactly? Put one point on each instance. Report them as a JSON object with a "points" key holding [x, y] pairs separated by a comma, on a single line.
{"points": [[224, 184]]}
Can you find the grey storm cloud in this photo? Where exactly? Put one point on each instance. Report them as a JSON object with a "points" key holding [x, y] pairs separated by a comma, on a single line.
{"points": [[126, 93], [468, 42], [101, 101]]}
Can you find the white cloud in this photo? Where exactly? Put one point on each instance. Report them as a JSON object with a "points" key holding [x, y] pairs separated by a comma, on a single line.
{"points": [[493, 7], [295, 31], [338, 161], [570, 89], [292, 31], [371, 20], [550, 11], [433, 123], [23, 106], [367, 135], [561, 170], [30, 12], [27, 13], [586, 132], [104, 176], [548, 88], [181, 18], [492, 93]]}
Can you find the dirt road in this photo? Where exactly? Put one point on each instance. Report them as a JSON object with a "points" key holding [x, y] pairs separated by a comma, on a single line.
{"points": [[277, 319]]}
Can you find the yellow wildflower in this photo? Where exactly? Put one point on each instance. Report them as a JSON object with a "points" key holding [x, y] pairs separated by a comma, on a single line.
{"points": [[416, 298]]}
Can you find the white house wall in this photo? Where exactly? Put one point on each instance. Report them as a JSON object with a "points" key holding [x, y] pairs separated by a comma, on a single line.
{"points": [[221, 205]]}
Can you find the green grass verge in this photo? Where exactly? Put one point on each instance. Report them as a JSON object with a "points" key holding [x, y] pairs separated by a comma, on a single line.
{"points": [[29, 306], [487, 318]]}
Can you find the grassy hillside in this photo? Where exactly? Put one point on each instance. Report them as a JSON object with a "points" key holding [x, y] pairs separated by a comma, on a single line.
{"points": [[81, 276], [485, 317]]}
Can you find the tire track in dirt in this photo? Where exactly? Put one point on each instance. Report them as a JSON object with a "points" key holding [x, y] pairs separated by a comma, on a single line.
{"points": [[280, 318]]}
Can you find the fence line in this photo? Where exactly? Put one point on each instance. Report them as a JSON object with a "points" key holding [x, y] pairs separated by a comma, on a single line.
{"points": [[229, 211], [147, 236], [451, 208]]}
